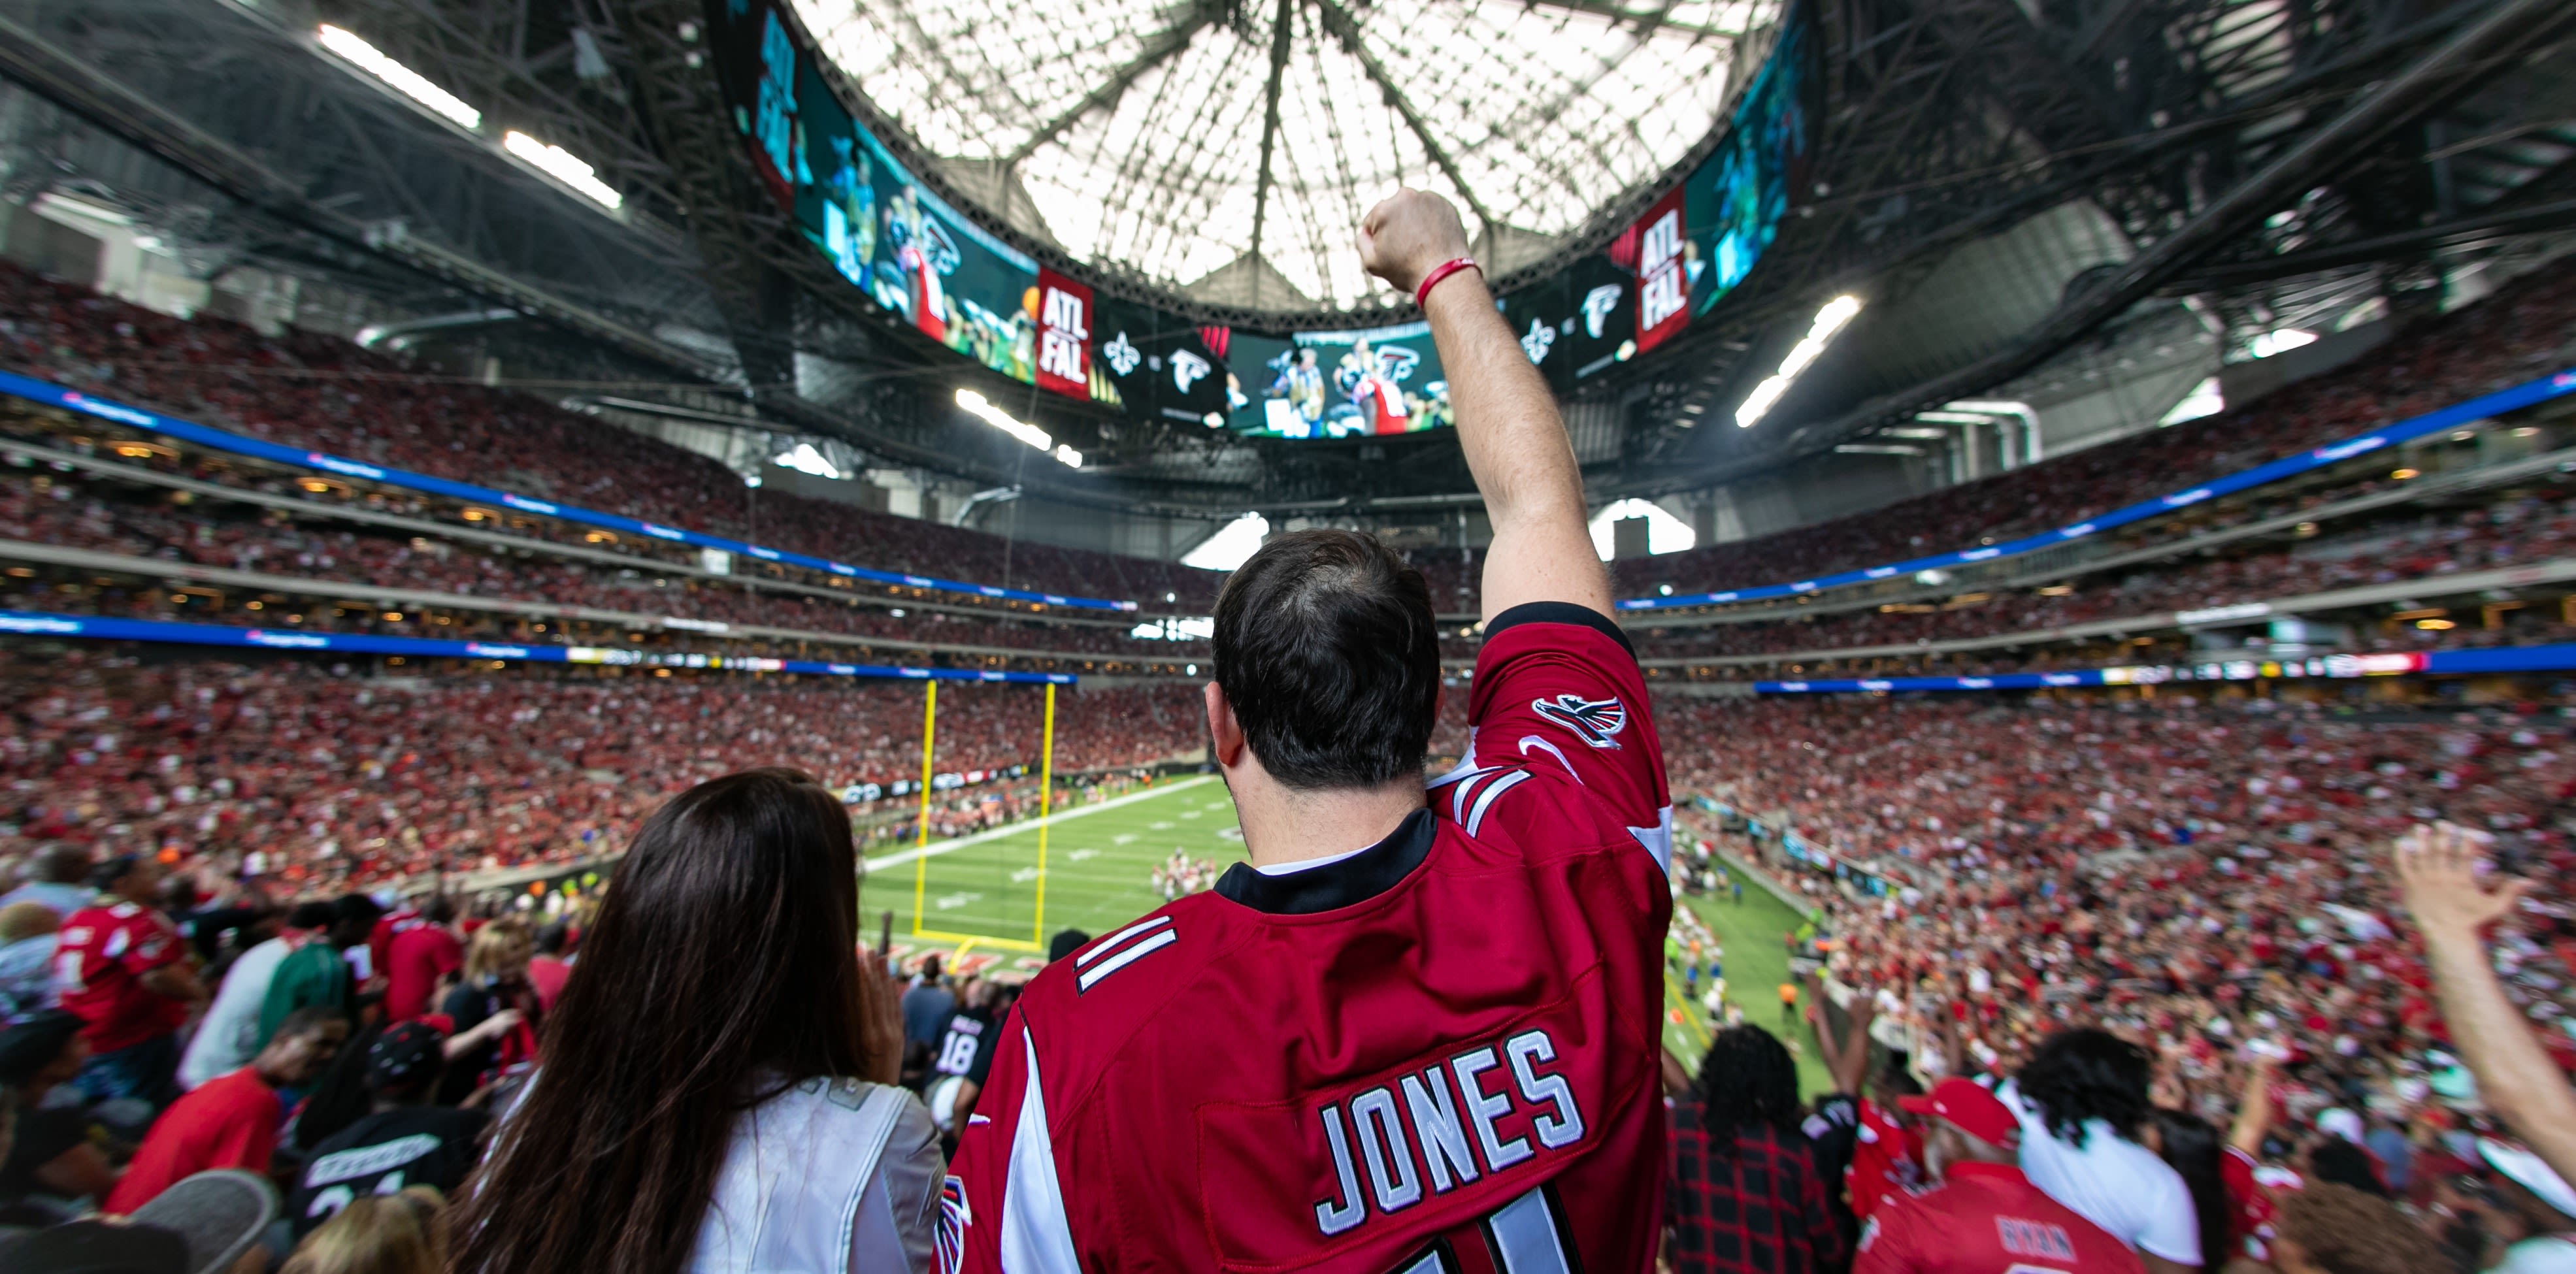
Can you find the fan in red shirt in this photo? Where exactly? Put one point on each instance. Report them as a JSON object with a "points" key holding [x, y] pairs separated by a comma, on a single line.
{"points": [[417, 957], [231, 1121], [121, 968], [1413, 1032], [1985, 1217]]}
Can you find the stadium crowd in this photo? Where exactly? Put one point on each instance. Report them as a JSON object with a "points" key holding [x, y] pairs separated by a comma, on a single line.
{"points": [[308, 390], [59, 510], [2514, 532], [289, 773], [2212, 882]]}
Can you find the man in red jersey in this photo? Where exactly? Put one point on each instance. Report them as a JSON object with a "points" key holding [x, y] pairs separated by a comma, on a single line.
{"points": [[418, 957], [120, 966], [1417, 1031], [1984, 1217]]}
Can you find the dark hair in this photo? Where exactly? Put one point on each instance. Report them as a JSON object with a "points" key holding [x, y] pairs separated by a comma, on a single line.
{"points": [[35, 1044], [104, 875], [2190, 1147], [1327, 649], [309, 1020], [438, 909], [313, 914], [1065, 943], [341, 1096], [1746, 1080], [551, 938], [356, 907], [2345, 1231], [724, 958], [2337, 1160], [2088, 1073], [63, 864]]}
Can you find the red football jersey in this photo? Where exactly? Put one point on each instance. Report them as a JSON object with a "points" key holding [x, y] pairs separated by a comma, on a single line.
{"points": [[1437, 1054], [1886, 1161], [1987, 1218], [99, 960]]}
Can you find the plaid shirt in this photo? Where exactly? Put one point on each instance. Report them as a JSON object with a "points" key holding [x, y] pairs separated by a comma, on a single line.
{"points": [[1761, 1209]]}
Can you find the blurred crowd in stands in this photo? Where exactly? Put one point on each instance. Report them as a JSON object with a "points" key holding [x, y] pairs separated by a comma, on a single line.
{"points": [[286, 775], [2210, 884], [307, 390], [59, 510]]}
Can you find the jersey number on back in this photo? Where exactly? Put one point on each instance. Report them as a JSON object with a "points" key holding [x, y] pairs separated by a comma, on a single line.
{"points": [[1525, 1236]]}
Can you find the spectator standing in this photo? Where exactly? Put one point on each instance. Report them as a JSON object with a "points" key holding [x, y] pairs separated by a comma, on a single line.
{"points": [[404, 1141], [723, 1025], [1746, 1194], [27, 944], [2542, 1201], [59, 882], [123, 969], [231, 1033], [928, 1005], [2082, 1101], [233, 1121], [495, 982], [416, 958], [54, 1152], [1983, 1216], [314, 973], [548, 968], [2438, 869]]}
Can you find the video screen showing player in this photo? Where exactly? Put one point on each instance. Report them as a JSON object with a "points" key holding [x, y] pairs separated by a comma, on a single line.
{"points": [[1418, 1031]]}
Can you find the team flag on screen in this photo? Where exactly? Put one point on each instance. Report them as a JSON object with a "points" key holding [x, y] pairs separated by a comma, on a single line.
{"points": [[1064, 335], [1663, 274]]}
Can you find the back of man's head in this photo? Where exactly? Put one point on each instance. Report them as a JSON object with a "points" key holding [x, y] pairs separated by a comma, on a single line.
{"points": [[1328, 653], [62, 865]]}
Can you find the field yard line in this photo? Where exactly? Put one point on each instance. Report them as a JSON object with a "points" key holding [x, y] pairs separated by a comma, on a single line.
{"points": [[936, 848]]}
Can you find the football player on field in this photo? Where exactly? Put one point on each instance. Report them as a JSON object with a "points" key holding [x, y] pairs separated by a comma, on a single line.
{"points": [[1419, 1030]]}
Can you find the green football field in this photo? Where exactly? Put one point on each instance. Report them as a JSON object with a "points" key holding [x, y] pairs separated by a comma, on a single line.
{"points": [[978, 897]]}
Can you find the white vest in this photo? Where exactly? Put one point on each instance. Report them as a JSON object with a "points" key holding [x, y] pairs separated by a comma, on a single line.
{"points": [[802, 1186]]}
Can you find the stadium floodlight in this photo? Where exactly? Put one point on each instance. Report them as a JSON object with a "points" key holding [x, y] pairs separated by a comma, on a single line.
{"points": [[1831, 319], [560, 164], [402, 79], [978, 405]]}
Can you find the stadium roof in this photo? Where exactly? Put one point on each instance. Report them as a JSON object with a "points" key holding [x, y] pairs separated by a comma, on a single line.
{"points": [[1191, 143]]}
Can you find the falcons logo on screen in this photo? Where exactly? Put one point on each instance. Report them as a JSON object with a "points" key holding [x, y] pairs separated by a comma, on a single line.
{"points": [[1591, 720]]}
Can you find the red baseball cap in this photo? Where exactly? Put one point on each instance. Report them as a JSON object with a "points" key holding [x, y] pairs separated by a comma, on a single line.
{"points": [[1973, 1110]]}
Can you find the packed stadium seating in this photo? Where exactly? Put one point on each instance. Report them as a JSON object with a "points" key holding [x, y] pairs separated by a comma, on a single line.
{"points": [[318, 392], [335, 779], [2206, 874]]}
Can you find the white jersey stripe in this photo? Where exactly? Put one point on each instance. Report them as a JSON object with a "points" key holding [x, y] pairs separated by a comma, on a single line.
{"points": [[1485, 799], [1123, 959], [1110, 943], [1036, 1237], [1525, 1237]]}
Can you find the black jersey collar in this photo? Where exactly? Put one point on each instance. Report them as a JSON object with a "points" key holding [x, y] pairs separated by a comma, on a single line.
{"points": [[1355, 879]]}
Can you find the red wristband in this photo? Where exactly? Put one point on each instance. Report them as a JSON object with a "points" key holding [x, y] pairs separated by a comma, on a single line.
{"points": [[1442, 271]]}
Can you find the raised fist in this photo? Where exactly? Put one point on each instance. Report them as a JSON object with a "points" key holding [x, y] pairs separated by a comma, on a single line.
{"points": [[1407, 235]]}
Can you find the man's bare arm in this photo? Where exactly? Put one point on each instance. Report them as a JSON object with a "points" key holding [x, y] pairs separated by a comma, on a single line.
{"points": [[2438, 868], [1507, 421]]}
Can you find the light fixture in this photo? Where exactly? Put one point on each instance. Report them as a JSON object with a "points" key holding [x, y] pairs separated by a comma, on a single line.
{"points": [[402, 79], [560, 164], [1829, 320], [977, 405], [2435, 625], [2403, 474]]}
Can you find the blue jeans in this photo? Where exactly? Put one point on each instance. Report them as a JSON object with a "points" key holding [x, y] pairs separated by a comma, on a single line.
{"points": [[148, 1071]]}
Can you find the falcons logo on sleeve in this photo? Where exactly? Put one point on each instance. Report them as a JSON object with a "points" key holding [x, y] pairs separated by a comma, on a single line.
{"points": [[954, 1217], [1591, 720]]}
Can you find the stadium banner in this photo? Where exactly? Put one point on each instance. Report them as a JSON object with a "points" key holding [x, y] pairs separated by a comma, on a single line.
{"points": [[2511, 399], [918, 257], [1064, 335], [2559, 657], [102, 628], [1661, 254], [48, 394]]}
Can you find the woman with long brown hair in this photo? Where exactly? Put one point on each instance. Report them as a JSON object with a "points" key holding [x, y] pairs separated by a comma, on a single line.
{"points": [[716, 1091]]}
